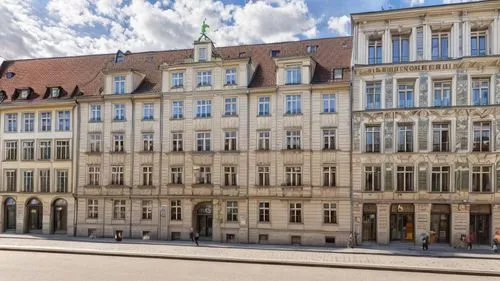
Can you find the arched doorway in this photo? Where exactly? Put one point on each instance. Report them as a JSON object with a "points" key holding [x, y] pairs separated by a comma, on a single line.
{"points": [[35, 215], [59, 216], [10, 214], [203, 215]]}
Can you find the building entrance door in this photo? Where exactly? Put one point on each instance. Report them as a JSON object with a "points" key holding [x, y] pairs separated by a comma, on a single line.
{"points": [[10, 214], [402, 222], [369, 231], [440, 224], [60, 213], [204, 220], [35, 215], [480, 218]]}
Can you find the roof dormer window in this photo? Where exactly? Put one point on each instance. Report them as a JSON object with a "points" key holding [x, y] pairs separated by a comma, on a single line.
{"points": [[24, 94], [338, 73], [54, 92], [202, 54], [275, 53], [312, 49], [119, 85]]}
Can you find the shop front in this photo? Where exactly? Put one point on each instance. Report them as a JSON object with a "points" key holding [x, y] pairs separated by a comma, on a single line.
{"points": [[440, 223], [402, 222], [480, 220], [369, 232]]}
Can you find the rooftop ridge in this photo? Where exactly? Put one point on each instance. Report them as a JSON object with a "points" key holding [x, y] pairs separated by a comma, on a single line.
{"points": [[423, 7]]}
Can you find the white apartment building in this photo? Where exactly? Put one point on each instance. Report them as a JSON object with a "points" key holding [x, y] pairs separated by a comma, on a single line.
{"points": [[425, 135]]}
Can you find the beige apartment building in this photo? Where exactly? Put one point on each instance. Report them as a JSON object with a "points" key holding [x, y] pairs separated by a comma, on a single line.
{"points": [[244, 144], [425, 132]]}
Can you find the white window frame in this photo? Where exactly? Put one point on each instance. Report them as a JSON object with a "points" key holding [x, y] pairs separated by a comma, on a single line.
{"points": [[293, 176], [406, 90], [293, 139], [176, 176], [329, 139], [63, 149], [92, 209], [203, 141], [119, 84], [177, 80], [147, 175], [28, 150], [232, 211], [28, 180], [479, 172], [329, 213], [230, 176], [11, 150], [11, 123], [293, 75], [264, 140], [375, 44], [117, 177], [479, 87], [203, 109], [148, 142], [230, 141], [45, 150], [441, 179], [94, 173], [62, 180], [45, 121], [44, 180], [95, 113], [295, 214], [373, 178], [205, 175], [230, 106], [263, 176], [293, 104], [478, 34], [438, 130], [329, 105], [63, 121], [264, 106], [264, 212], [442, 89], [440, 36], [148, 111], [95, 142], [407, 174], [176, 210], [177, 141], [330, 176], [405, 137], [28, 122], [204, 78], [177, 109], [119, 112], [230, 77], [118, 143], [479, 140], [376, 145], [373, 90], [11, 178], [119, 209]]}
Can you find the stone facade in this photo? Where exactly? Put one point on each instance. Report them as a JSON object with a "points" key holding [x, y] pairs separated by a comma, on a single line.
{"points": [[436, 163]]}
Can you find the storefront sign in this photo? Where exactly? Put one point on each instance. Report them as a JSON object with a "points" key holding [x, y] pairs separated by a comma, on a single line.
{"points": [[407, 68]]}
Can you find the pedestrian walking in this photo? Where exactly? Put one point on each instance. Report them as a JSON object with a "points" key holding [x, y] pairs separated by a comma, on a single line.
{"points": [[425, 241], [470, 240], [496, 241], [196, 237], [191, 234]]}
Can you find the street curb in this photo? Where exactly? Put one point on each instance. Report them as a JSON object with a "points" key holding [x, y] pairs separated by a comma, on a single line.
{"points": [[54, 250], [411, 253]]}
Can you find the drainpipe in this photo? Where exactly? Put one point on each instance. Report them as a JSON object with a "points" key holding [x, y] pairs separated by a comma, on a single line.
{"points": [[350, 153], [160, 184], [76, 160], [132, 150], [248, 166]]}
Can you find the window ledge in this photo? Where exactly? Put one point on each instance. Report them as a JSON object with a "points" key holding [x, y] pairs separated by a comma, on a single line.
{"points": [[89, 186], [481, 192], [264, 115], [263, 150], [176, 151], [175, 118], [293, 149], [262, 186], [117, 186], [209, 152], [229, 115], [293, 186], [230, 151], [146, 152], [175, 185], [328, 113], [404, 192], [119, 120], [117, 152], [230, 186], [93, 153], [179, 87], [203, 117], [202, 185], [330, 149], [146, 186], [328, 186], [118, 221], [61, 160], [372, 191], [148, 120], [292, 114], [95, 121]]}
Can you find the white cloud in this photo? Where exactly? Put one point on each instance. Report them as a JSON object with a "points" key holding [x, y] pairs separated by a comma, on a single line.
{"points": [[340, 25], [75, 27], [416, 2]]}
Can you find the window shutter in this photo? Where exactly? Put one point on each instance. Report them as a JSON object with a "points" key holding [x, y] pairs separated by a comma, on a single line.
{"points": [[423, 130], [420, 43], [388, 179], [422, 176]]}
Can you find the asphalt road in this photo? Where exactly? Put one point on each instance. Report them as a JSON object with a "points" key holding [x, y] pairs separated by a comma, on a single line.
{"points": [[17, 266]]}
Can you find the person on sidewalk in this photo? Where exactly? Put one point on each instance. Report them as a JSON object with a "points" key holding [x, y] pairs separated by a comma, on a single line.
{"points": [[191, 234], [470, 240], [496, 241], [425, 242], [196, 237]]}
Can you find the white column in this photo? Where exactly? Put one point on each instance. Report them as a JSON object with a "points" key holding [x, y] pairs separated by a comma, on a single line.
{"points": [[427, 42], [386, 46], [466, 38], [413, 44]]}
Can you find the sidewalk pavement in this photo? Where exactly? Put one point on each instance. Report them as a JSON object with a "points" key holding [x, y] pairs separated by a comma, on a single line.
{"points": [[375, 258]]}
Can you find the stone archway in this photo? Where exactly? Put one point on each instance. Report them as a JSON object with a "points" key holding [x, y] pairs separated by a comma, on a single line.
{"points": [[203, 220], [34, 216], [60, 216], [10, 214]]}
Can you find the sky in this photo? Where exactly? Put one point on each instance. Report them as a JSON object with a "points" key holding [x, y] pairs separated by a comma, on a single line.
{"points": [[48, 28]]}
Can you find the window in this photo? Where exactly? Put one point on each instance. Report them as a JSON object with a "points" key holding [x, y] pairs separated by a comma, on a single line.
{"points": [[45, 121], [95, 113], [373, 95], [230, 176], [118, 143], [119, 85], [264, 212], [375, 52], [338, 73], [28, 122], [45, 180], [11, 176], [177, 80], [204, 175], [440, 46], [481, 179], [177, 142], [292, 139], [63, 120], [62, 150], [373, 179], [405, 96], [148, 111], [94, 175], [231, 76], [54, 92], [481, 136], [62, 181], [400, 49], [293, 75], [442, 93], [312, 49], [404, 178], [45, 150], [329, 213], [232, 211], [373, 138], [117, 175], [203, 108], [204, 78], [329, 176], [441, 137], [478, 43], [28, 150], [440, 179], [263, 176], [119, 209], [293, 176], [480, 91], [11, 123], [275, 53], [95, 142], [24, 94], [420, 43], [11, 150], [147, 209], [177, 109], [264, 140], [230, 107], [329, 137], [295, 212], [92, 209], [175, 210], [293, 104], [405, 138], [230, 141], [328, 103], [28, 181], [176, 175], [264, 106], [203, 141], [202, 54], [147, 176], [119, 112], [147, 142]]}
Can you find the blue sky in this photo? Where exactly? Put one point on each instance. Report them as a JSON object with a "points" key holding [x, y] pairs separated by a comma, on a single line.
{"points": [[45, 28]]}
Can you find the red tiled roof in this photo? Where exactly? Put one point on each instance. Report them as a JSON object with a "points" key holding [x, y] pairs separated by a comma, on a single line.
{"points": [[85, 72]]}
